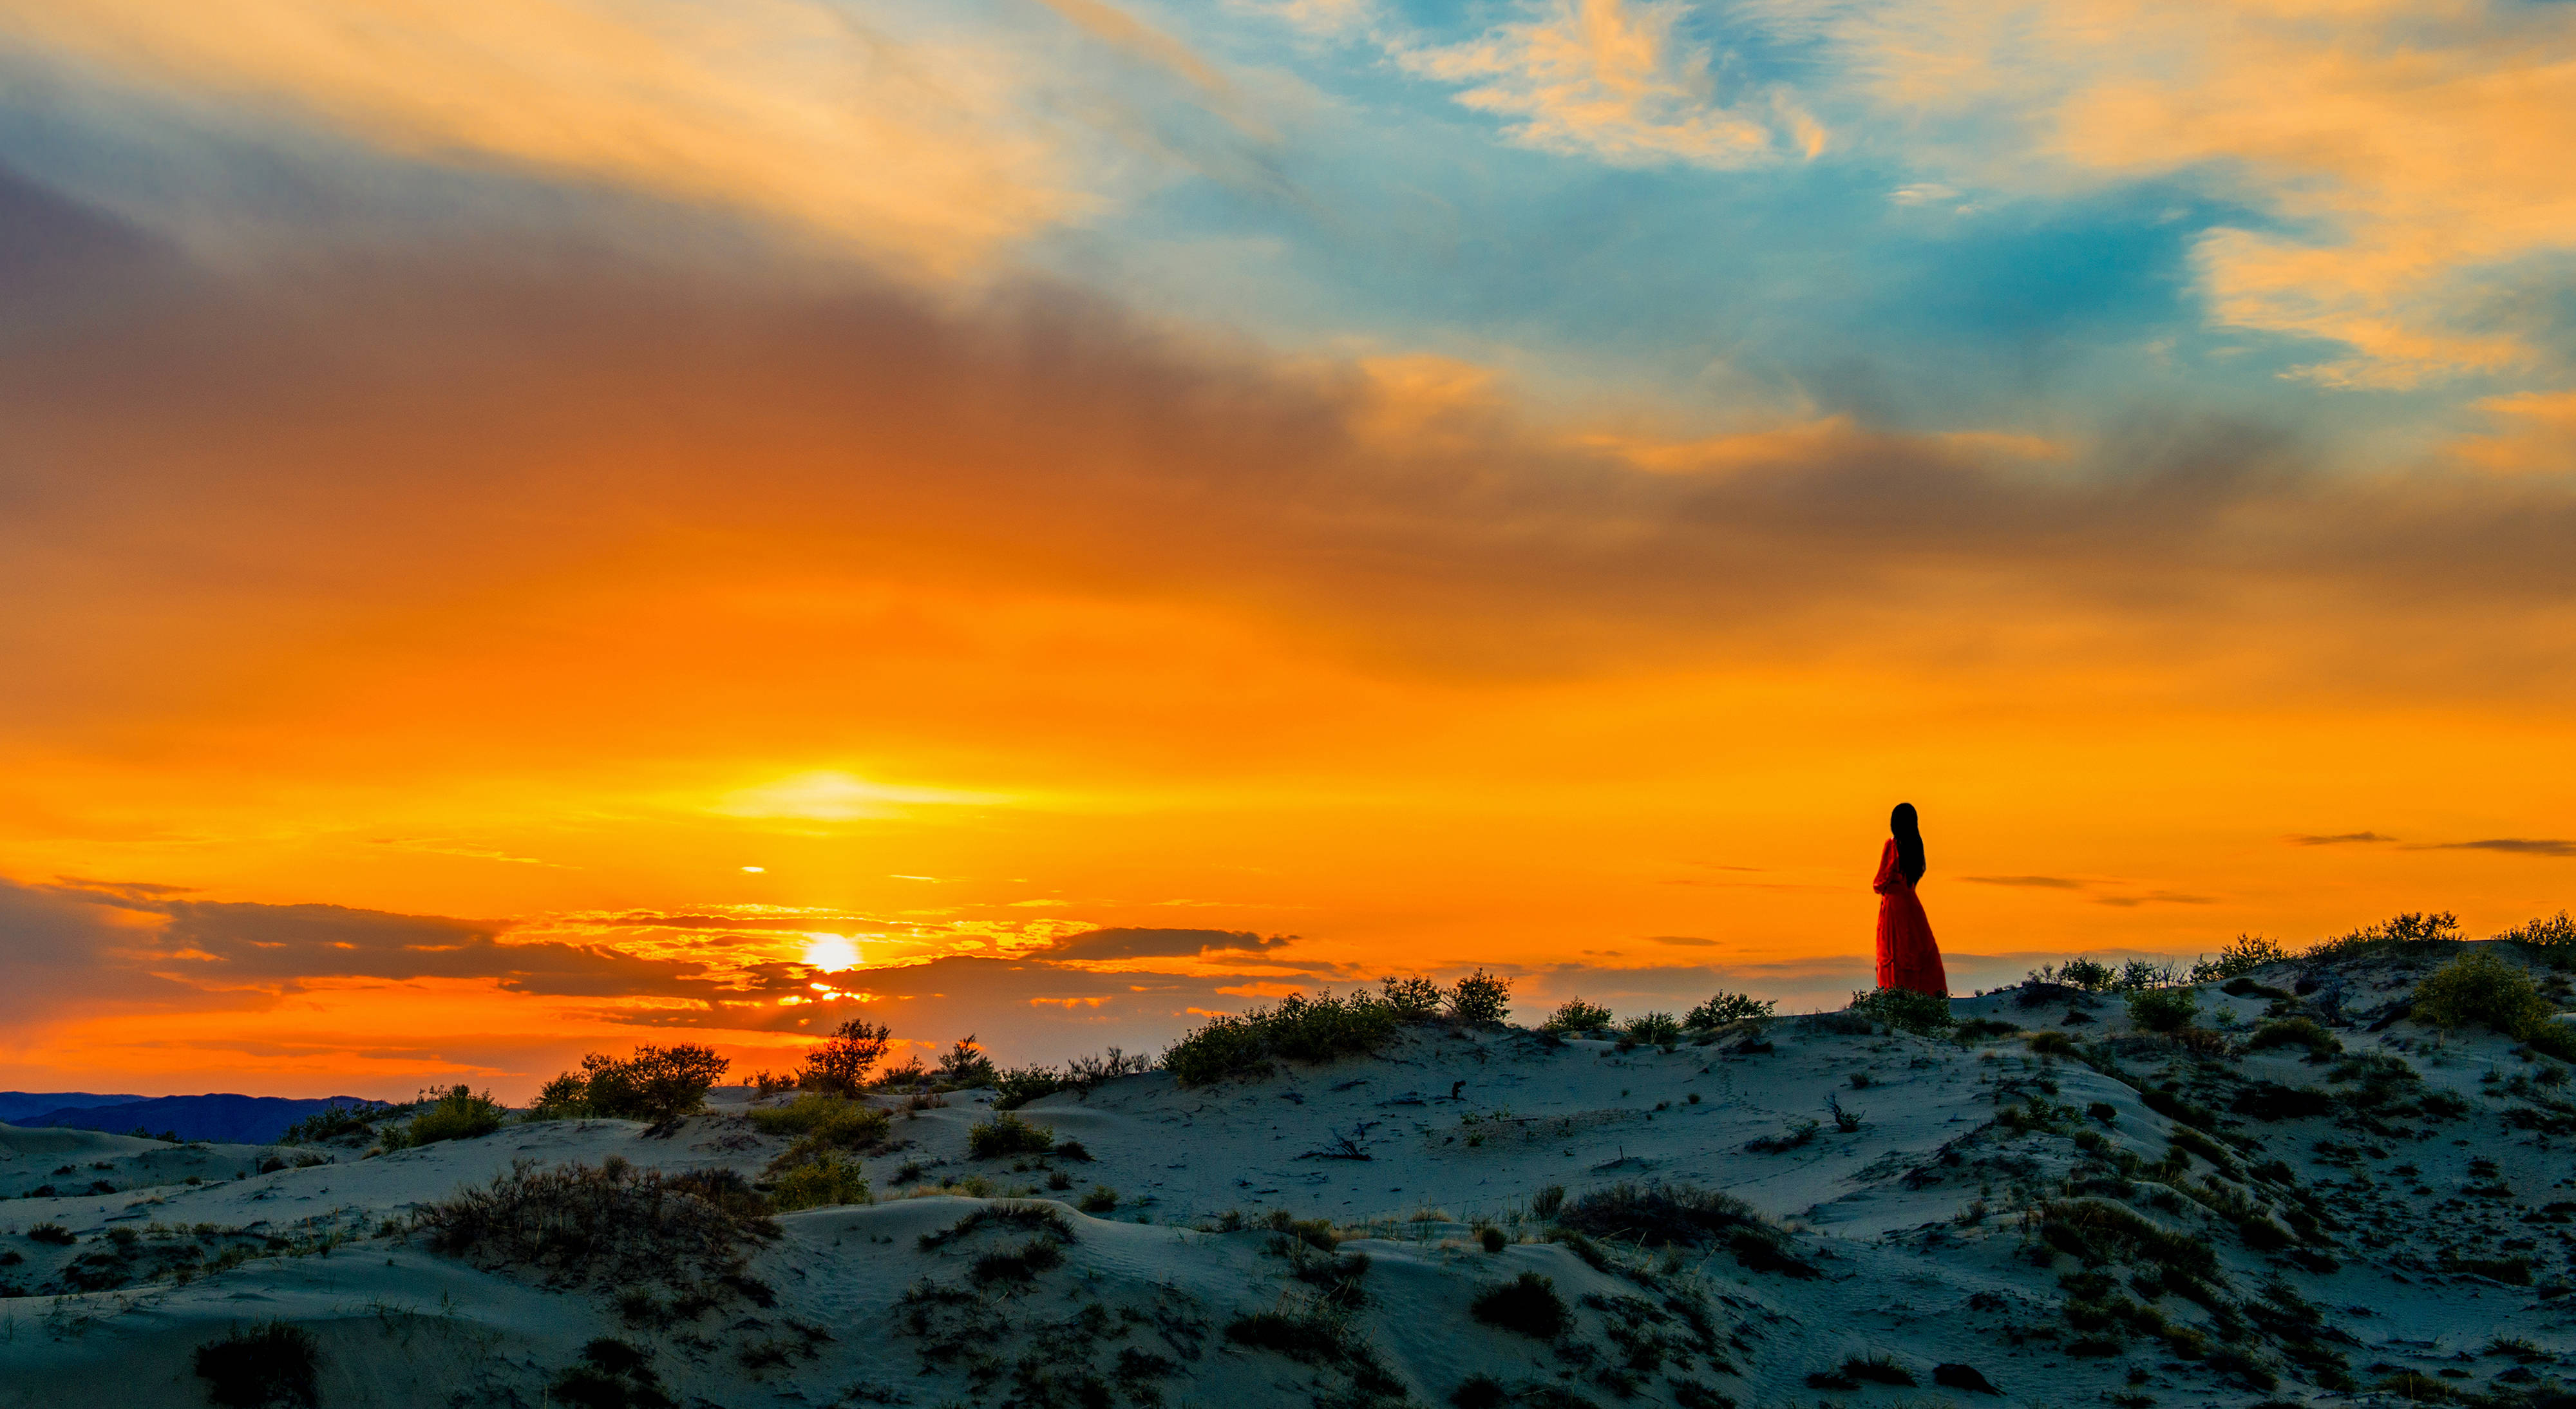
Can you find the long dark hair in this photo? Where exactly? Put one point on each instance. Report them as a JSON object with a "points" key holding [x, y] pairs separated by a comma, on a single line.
{"points": [[1909, 842]]}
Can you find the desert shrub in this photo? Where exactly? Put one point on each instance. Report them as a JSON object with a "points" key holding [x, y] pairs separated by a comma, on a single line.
{"points": [[2089, 975], [1880, 1369], [2551, 1039], [53, 1234], [1480, 1000], [1574, 1017], [823, 1181], [965, 1067], [1415, 999], [610, 1375], [722, 1187], [1526, 1305], [655, 1084], [1653, 1030], [333, 1123], [2163, 1009], [1008, 1134], [1101, 1199], [1724, 1008], [2556, 935], [457, 1113], [268, 1365], [2242, 955], [2051, 1044], [1479, 1391], [1799, 1132], [2243, 987], [1547, 1201], [1298, 1029], [1904, 1010], [2293, 1032], [839, 1066], [911, 1076], [2481, 987], [1307, 1337], [1491, 1238], [1978, 1029], [826, 1122], [1084, 1073], [1661, 1215], [2409, 930], [578, 1223], [1021, 1085]]}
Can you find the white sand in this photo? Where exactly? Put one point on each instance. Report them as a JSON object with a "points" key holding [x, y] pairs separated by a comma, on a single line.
{"points": [[1873, 1210]]}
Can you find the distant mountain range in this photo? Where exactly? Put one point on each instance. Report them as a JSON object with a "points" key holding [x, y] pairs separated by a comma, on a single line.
{"points": [[16, 1106], [225, 1119]]}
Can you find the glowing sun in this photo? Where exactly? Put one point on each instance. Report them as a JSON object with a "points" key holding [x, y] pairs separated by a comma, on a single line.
{"points": [[831, 952]]}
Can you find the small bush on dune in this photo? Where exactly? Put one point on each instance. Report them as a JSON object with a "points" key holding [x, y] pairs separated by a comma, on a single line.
{"points": [[1415, 999], [1527, 1305], [2163, 1009], [334, 1123], [833, 1122], [655, 1084], [1575, 1017], [1021, 1085], [840, 1065], [1008, 1134], [965, 1067], [578, 1223], [1724, 1008], [52, 1234], [2553, 938], [2242, 955], [1480, 1000], [2405, 932], [1904, 1010], [2480, 987], [271, 1365], [1652, 1030], [821, 1182], [1664, 1215], [1298, 1029], [457, 1113]]}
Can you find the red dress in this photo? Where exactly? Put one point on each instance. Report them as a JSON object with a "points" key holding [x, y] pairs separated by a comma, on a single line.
{"points": [[1907, 957]]}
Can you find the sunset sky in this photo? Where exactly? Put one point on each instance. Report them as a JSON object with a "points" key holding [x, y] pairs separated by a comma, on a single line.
{"points": [[530, 526]]}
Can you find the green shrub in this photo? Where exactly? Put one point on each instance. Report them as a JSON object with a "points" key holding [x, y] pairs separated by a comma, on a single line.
{"points": [[823, 1124], [1021, 1085], [2556, 935], [2048, 1043], [1724, 1008], [270, 1365], [2403, 931], [53, 1234], [2481, 987], [2242, 955], [839, 1066], [1575, 1017], [457, 1113], [1653, 1030], [333, 1123], [1480, 1000], [1415, 999], [2551, 1039], [1904, 1010], [1101, 1199], [578, 1223], [1008, 1134], [2163, 1009], [1547, 1201], [2293, 1032], [1299, 1029], [2090, 975], [1527, 1305], [656, 1084], [825, 1180], [964, 1067]]}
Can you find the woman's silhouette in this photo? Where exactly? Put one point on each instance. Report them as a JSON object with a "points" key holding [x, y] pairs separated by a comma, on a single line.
{"points": [[1907, 957]]}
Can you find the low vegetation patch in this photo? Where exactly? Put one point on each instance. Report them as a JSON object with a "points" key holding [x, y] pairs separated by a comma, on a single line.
{"points": [[575, 1223], [2294, 1032], [655, 1084], [1723, 1009], [271, 1365], [1651, 1030], [2243, 955], [335, 1125], [822, 1182], [1576, 1017], [830, 1121], [1527, 1305], [2480, 988], [1005, 1134], [1905, 1010], [2163, 1009], [457, 1113], [1662, 1215]]}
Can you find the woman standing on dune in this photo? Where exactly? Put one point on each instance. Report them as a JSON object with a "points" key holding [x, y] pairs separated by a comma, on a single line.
{"points": [[1907, 957]]}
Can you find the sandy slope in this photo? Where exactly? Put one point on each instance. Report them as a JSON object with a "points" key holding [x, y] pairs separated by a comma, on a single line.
{"points": [[1457, 1128]]}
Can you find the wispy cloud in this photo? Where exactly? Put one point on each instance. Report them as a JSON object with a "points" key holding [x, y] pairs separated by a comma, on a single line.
{"points": [[2515, 846], [2036, 882], [2339, 839], [1610, 80]]}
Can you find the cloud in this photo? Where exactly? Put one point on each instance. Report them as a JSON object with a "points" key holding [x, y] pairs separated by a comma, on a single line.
{"points": [[2038, 882], [2161, 897], [1126, 942], [1607, 79], [792, 109], [2394, 166], [2339, 839], [839, 797], [1684, 940], [2517, 846]]}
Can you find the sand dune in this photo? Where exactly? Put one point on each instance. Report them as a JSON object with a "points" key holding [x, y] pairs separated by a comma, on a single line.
{"points": [[2354, 1219]]}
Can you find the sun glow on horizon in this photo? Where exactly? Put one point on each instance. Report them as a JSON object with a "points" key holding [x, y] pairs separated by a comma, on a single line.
{"points": [[831, 952]]}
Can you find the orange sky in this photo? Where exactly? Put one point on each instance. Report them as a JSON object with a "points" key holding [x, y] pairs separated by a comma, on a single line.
{"points": [[615, 583]]}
